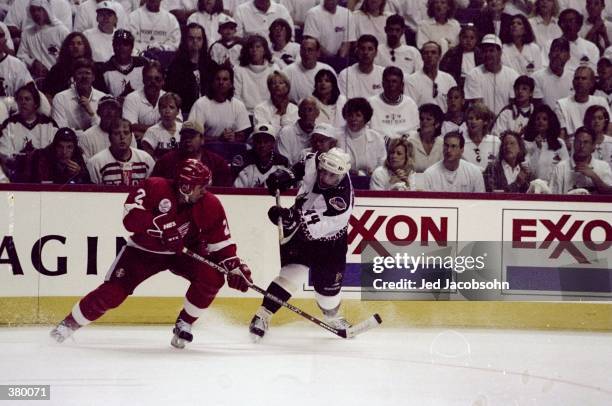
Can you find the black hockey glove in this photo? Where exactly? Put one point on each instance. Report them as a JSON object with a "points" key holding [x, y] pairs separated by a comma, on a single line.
{"points": [[289, 217], [281, 179]]}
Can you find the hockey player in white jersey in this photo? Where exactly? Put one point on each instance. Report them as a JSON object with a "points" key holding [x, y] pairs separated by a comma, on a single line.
{"points": [[315, 230]]}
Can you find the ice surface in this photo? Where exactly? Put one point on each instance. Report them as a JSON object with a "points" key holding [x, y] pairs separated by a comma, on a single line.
{"points": [[301, 364]]}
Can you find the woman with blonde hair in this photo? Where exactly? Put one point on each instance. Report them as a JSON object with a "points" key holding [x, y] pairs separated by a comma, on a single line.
{"points": [[277, 109], [397, 173]]}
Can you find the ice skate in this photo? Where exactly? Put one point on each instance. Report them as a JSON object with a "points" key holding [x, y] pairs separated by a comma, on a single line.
{"points": [[259, 324], [63, 330], [182, 334]]}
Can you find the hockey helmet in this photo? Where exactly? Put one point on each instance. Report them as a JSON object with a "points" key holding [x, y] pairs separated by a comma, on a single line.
{"points": [[190, 173], [335, 161]]}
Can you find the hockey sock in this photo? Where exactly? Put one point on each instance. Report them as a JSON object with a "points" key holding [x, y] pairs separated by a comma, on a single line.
{"points": [[183, 315], [276, 290]]}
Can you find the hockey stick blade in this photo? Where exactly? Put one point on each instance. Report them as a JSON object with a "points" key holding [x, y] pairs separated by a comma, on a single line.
{"points": [[373, 321]]}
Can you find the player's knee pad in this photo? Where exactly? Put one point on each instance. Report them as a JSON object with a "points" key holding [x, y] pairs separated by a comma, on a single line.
{"points": [[291, 276]]}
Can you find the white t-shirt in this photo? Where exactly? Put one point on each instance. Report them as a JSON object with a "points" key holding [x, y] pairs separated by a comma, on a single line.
{"points": [[250, 84], [302, 80], [466, 178], [67, 112], [42, 44], [571, 113], [332, 114], [513, 119], [393, 121], [542, 161], [582, 52], [330, 29], [292, 140], [94, 140], [266, 113], [13, 74], [159, 137], [86, 16], [216, 117], [423, 160], [550, 87], [298, 8], [487, 150], [19, 13], [106, 170], [286, 56], [222, 53], [381, 178], [102, 48], [564, 178], [544, 33], [354, 83], [524, 62], [420, 88], [603, 151], [405, 57], [446, 35], [210, 23], [154, 30], [368, 24], [495, 89], [251, 20], [366, 148], [138, 110]]}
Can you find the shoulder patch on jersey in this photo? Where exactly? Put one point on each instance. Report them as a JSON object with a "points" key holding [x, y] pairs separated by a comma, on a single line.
{"points": [[338, 203], [165, 205]]}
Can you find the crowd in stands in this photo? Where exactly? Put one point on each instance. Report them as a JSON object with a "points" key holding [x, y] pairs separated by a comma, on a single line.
{"points": [[429, 95]]}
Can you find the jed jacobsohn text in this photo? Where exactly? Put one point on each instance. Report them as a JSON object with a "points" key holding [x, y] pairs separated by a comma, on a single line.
{"points": [[405, 284], [411, 263]]}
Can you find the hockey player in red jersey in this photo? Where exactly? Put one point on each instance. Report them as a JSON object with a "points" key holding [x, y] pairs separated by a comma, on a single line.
{"points": [[164, 216]]}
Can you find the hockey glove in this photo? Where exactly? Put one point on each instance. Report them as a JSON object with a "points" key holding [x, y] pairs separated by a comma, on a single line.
{"points": [[238, 274], [169, 233], [281, 179], [289, 217]]}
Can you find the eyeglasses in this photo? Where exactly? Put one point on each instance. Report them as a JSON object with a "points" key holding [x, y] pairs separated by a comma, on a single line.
{"points": [[393, 55], [435, 90], [478, 158]]}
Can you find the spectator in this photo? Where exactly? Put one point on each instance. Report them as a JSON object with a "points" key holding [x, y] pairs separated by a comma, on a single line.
{"points": [[96, 138], [227, 49], [555, 81], [164, 136], [454, 119], [582, 52], [492, 18], [597, 119], [254, 17], [582, 171], [570, 110], [301, 73], [294, 138], [440, 27], [491, 83], [604, 79], [262, 160], [86, 16], [75, 46], [297, 10], [191, 146], [544, 22], [520, 52], [393, 52], [208, 16], [140, 107], [252, 74], [323, 138], [120, 164], [426, 141], [515, 116], [362, 79], [122, 73], [430, 85], [41, 41], [24, 132], [371, 18], [329, 100], [61, 162], [460, 60], [395, 114], [481, 148], [76, 107], [101, 34], [222, 115], [154, 29], [596, 29], [509, 173], [333, 26], [284, 51], [18, 18], [453, 174], [189, 71], [365, 146], [398, 172], [545, 149], [277, 111]]}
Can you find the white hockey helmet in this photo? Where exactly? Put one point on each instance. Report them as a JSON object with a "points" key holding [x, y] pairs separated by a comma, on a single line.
{"points": [[335, 161]]}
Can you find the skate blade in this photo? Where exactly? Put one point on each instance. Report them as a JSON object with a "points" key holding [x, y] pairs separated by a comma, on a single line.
{"points": [[255, 338], [178, 343]]}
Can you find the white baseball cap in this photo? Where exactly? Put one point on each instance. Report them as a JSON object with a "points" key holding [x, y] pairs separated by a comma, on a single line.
{"points": [[325, 129], [491, 39]]}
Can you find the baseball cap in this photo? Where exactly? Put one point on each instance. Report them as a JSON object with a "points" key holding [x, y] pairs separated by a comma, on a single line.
{"points": [[107, 5], [491, 39], [123, 35], [325, 129], [191, 127], [225, 19], [264, 129], [65, 134]]}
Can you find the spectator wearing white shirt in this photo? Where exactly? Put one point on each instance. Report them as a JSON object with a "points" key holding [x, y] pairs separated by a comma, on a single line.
{"points": [[277, 111], [492, 82], [364, 78], [440, 27], [333, 26], [554, 82], [544, 22], [582, 171], [481, 148], [365, 146], [520, 51], [13, 71], [426, 141], [454, 118], [604, 79], [297, 10], [208, 16], [597, 119], [397, 173], [545, 149], [154, 29], [284, 51], [75, 46], [395, 114], [596, 28], [329, 99], [430, 85], [95, 138], [102, 33], [76, 106], [165, 135], [515, 116], [570, 110], [86, 15], [460, 60], [294, 138], [19, 18], [370, 18], [226, 50], [454, 174], [256, 16], [393, 52], [302, 72]]}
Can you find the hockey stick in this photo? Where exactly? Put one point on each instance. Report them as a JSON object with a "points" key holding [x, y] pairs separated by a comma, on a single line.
{"points": [[279, 222], [371, 322]]}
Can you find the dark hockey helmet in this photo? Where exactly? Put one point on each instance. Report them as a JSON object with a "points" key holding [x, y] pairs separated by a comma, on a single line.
{"points": [[190, 173]]}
